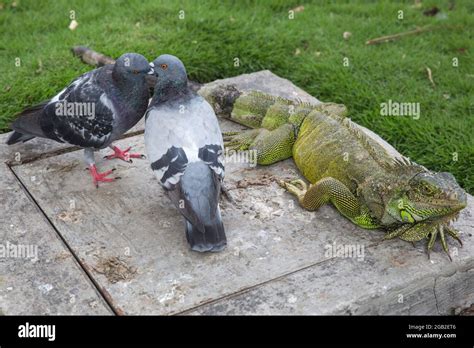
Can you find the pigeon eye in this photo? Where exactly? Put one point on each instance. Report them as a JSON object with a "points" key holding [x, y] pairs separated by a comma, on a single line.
{"points": [[164, 66]]}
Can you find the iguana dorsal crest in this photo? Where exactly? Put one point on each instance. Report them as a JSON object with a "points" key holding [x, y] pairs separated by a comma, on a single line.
{"points": [[382, 152]]}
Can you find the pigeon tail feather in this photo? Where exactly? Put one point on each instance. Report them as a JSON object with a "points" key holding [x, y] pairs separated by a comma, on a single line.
{"points": [[16, 137], [213, 239], [28, 121], [200, 190]]}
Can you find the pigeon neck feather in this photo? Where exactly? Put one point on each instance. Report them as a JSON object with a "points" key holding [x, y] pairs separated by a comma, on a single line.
{"points": [[167, 91]]}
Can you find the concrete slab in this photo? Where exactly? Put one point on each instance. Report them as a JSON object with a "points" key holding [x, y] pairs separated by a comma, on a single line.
{"points": [[38, 274], [278, 259]]}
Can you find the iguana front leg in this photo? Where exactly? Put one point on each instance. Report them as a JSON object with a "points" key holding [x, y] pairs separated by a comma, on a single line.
{"points": [[430, 228], [271, 146], [330, 190]]}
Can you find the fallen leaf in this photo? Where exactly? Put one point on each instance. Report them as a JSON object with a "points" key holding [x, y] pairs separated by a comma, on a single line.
{"points": [[430, 76], [40, 67], [73, 25], [297, 52], [417, 4], [298, 9]]}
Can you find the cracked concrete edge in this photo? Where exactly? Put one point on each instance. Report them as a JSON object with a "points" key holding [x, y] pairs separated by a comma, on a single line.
{"points": [[458, 284], [433, 295], [443, 294]]}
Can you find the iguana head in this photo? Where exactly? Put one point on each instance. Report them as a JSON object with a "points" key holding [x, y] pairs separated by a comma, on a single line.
{"points": [[428, 195]]}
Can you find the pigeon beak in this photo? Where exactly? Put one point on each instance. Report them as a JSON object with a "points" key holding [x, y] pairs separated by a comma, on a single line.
{"points": [[151, 76]]}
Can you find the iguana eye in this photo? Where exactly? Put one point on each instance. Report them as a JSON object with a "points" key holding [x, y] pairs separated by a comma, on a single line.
{"points": [[164, 66], [135, 71], [426, 189]]}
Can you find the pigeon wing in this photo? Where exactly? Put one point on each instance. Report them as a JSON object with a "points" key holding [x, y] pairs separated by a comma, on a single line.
{"points": [[82, 114]]}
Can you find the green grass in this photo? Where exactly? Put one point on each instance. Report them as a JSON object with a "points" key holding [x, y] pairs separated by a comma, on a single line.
{"points": [[262, 37]]}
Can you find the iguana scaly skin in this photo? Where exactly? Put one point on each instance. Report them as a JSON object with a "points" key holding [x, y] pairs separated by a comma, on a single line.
{"points": [[364, 177]]}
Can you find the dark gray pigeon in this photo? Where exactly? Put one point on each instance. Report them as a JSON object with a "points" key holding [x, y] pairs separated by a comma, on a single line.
{"points": [[184, 145], [93, 111]]}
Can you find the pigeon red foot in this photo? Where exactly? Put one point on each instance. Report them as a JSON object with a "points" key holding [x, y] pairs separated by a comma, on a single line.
{"points": [[100, 177], [124, 155]]}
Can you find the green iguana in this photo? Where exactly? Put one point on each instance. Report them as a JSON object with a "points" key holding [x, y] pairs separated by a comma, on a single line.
{"points": [[364, 177]]}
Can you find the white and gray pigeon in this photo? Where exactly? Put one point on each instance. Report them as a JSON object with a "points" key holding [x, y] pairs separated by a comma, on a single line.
{"points": [[184, 145], [94, 110]]}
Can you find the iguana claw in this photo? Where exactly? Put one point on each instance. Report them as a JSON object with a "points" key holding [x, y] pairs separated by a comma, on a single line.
{"points": [[292, 187], [421, 230]]}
